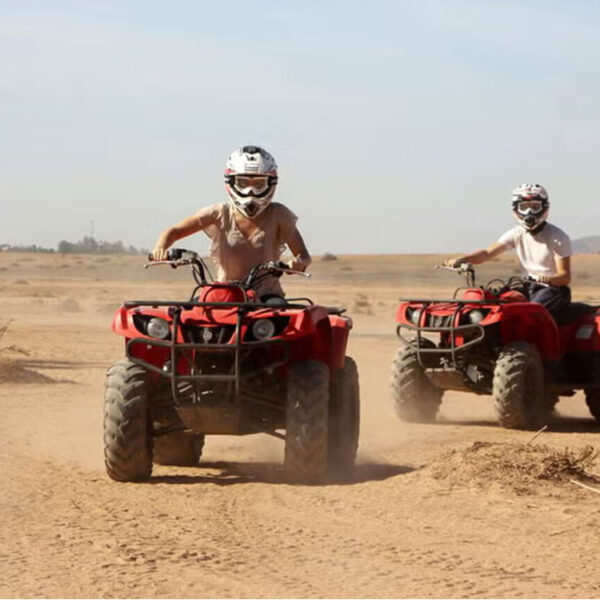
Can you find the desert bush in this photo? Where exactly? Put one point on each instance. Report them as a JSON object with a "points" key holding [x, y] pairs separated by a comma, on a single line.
{"points": [[522, 467], [69, 305], [329, 256], [362, 305]]}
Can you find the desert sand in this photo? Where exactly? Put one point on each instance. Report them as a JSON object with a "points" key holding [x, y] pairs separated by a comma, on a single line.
{"points": [[457, 508]]}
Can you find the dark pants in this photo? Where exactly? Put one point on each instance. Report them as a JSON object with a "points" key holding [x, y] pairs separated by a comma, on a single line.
{"points": [[555, 299]]}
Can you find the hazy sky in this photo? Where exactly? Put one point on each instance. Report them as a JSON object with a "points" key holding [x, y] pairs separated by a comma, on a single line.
{"points": [[398, 126]]}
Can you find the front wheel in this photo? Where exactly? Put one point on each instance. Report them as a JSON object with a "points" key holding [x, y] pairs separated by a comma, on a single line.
{"points": [[127, 427], [306, 422], [344, 419], [519, 387], [415, 398]]}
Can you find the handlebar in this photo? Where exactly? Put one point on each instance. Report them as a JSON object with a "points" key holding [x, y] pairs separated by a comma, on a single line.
{"points": [[464, 268], [177, 257]]}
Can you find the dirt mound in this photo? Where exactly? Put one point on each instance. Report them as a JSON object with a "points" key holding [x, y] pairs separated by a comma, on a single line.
{"points": [[13, 371], [519, 467]]}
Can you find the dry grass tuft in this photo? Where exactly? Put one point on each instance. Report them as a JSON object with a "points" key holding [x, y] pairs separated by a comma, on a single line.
{"points": [[362, 305], [520, 467], [12, 369]]}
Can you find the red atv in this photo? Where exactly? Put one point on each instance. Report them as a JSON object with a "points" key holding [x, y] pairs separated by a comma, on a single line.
{"points": [[493, 340], [225, 362]]}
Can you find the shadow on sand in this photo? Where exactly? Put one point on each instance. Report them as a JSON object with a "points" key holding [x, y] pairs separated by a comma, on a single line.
{"points": [[234, 473], [59, 364]]}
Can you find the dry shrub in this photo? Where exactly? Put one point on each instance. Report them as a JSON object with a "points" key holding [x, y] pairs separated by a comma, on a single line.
{"points": [[520, 467], [12, 369], [69, 305], [329, 256], [14, 349], [4, 328], [21, 282], [43, 294], [362, 305]]}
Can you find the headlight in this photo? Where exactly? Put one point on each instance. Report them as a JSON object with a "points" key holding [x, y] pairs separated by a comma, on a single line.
{"points": [[263, 329], [158, 328], [475, 316], [414, 315]]}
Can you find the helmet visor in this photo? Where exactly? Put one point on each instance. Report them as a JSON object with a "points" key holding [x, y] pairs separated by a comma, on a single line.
{"points": [[256, 183], [525, 207]]}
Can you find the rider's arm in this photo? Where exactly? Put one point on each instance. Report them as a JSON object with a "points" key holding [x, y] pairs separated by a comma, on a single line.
{"points": [[479, 256], [563, 272], [166, 239], [296, 244]]}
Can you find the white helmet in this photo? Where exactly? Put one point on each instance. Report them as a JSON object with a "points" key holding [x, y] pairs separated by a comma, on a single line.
{"points": [[250, 179], [530, 205]]}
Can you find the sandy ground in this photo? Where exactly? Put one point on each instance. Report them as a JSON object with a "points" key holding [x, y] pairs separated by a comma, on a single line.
{"points": [[410, 523]]}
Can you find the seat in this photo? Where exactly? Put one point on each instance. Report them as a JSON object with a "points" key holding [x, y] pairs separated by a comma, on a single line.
{"points": [[574, 311]]}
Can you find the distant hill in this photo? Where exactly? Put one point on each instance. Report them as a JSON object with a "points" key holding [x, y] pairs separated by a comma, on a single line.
{"points": [[587, 245]]}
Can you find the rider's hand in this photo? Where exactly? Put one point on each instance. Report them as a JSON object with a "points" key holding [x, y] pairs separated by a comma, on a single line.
{"points": [[453, 262], [159, 253], [297, 264]]}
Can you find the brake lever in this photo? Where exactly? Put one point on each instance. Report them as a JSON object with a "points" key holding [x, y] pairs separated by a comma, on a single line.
{"points": [[284, 268], [462, 268], [155, 263], [173, 263], [294, 272]]}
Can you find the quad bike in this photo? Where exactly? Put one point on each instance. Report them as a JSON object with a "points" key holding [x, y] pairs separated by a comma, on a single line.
{"points": [[226, 362], [492, 340]]}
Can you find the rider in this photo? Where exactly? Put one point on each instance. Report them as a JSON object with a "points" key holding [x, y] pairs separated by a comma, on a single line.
{"points": [[249, 229], [543, 249]]}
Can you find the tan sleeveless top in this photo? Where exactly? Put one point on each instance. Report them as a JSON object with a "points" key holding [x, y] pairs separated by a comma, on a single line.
{"points": [[236, 254]]}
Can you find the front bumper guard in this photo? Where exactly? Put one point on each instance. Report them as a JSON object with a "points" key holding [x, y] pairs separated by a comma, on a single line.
{"points": [[178, 348], [453, 351]]}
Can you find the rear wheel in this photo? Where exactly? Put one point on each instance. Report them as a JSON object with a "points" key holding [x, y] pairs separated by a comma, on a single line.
{"points": [[592, 399], [306, 422], [344, 419], [415, 398], [518, 388], [127, 432], [178, 449]]}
